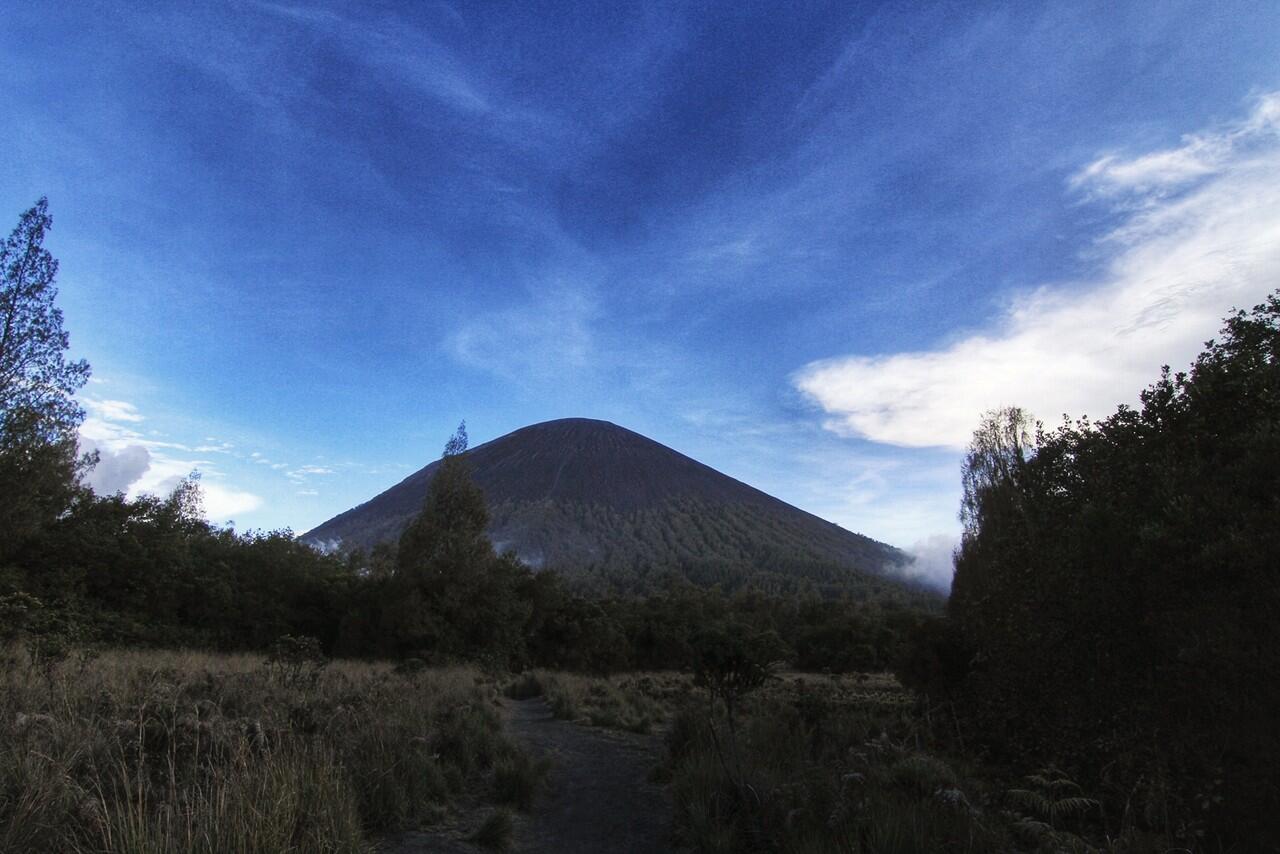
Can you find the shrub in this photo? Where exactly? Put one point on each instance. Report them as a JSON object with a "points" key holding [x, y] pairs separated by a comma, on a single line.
{"points": [[188, 752], [517, 778], [496, 832]]}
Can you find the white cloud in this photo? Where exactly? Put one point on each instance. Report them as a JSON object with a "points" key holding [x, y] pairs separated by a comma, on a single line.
{"points": [[1202, 235], [1200, 155], [135, 464], [312, 470], [116, 470], [223, 503], [114, 410]]}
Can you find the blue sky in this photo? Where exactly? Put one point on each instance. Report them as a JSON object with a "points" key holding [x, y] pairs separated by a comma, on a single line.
{"points": [[299, 243]]}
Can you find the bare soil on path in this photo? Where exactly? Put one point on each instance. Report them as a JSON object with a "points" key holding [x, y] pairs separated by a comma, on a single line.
{"points": [[598, 797]]}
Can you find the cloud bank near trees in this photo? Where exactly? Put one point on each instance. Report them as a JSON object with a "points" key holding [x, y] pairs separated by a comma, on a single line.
{"points": [[932, 561], [1198, 233], [134, 464]]}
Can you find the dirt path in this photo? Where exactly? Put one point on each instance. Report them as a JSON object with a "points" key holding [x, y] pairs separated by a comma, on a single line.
{"points": [[598, 798]]}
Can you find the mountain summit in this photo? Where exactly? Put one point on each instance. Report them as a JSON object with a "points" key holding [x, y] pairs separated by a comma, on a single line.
{"points": [[613, 509]]}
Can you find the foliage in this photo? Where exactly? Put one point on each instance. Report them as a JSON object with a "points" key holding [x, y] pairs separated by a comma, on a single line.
{"points": [[162, 752], [825, 767], [517, 779], [496, 831], [34, 374], [631, 703], [934, 659], [296, 660], [1045, 804], [451, 595], [39, 462], [1117, 588], [732, 662]]}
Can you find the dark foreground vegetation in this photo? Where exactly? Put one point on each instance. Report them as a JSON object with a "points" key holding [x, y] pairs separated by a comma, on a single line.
{"points": [[1116, 598], [1103, 678], [190, 752]]}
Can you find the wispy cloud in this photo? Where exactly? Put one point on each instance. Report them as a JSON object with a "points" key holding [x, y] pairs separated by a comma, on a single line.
{"points": [[1200, 233], [414, 58], [547, 335], [1200, 155], [302, 474], [114, 410], [417, 59], [304, 470]]}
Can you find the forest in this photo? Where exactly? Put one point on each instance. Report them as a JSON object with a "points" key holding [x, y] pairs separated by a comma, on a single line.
{"points": [[1113, 615]]}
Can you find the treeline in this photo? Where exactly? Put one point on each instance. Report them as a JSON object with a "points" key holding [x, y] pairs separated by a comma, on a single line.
{"points": [[1117, 595], [152, 572]]}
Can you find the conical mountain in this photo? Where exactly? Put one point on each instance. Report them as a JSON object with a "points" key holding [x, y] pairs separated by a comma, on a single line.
{"points": [[616, 511]]}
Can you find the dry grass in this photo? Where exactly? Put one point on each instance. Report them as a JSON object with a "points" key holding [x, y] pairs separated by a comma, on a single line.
{"points": [[176, 752], [635, 702], [822, 764]]}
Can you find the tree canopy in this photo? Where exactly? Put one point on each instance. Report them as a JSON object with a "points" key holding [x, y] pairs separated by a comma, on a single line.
{"points": [[1119, 592], [39, 415]]}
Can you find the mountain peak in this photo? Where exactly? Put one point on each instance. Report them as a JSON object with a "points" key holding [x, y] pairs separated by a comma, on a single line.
{"points": [[581, 494]]}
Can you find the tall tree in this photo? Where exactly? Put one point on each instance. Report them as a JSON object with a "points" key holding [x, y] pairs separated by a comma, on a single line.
{"points": [[38, 411], [994, 461], [442, 559], [35, 376], [449, 534], [997, 539]]}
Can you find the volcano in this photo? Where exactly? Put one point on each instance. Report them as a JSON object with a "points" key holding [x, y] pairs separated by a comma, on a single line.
{"points": [[613, 511]]}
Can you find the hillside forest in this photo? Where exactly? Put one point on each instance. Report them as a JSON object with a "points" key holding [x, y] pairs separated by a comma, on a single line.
{"points": [[1113, 615]]}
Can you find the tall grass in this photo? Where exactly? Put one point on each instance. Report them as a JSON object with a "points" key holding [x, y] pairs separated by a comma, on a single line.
{"points": [[635, 702], [823, 767], [176, 752]]}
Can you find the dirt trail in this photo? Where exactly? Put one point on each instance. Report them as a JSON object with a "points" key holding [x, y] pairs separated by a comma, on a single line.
{"points": [[598, 798]]}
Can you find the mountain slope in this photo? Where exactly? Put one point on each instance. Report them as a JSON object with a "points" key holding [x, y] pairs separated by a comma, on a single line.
{"points": [[612, 509]]}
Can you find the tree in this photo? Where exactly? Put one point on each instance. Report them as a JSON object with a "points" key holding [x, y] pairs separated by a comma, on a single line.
{"points": [[35, 376], [449, 534], [451, 591], [1118, 590], [39, 466], [994, 461], [997, 540]]}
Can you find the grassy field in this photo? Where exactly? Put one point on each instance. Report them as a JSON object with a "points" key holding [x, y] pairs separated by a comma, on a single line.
{"points": [[817, 764], [186, 752], [177, 752]]}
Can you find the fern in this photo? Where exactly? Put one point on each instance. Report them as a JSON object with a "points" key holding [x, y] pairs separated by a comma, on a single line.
{"points": [[1050, 798]]}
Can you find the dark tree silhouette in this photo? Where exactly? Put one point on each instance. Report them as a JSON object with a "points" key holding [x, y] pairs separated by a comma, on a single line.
{"points": [[38, 412]]}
